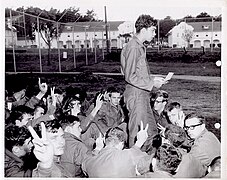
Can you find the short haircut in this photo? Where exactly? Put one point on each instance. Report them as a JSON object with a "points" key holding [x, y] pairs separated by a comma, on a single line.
{"points": [[168, 158], [18, 112], [51, 126], [159, 93], [115, 135], [113, 90], [195, 115], [144, 21], [16, 136], [176, 135], [68, 103], [173, 105], [68, 120], [216, 163]]}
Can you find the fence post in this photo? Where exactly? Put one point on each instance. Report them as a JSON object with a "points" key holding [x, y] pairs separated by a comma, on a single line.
{"points": [[40, 58], [74, 56], [11, 24], [59, 55]]}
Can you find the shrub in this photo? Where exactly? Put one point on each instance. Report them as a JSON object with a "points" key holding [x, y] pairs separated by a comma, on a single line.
{"points": [[174, 45]]}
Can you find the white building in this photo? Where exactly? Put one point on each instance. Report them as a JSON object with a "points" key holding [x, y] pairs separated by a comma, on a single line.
{"points": [[175, 35], [10, 34], [204, 33], [90, 35]]}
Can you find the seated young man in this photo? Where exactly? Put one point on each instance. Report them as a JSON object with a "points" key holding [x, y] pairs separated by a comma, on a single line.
{"points": [[110, 114], [165, 162], [90, 131], [75, 149], [175, 114], [20, 116], [48, 149], [115, 162], [159, 100], [17, 145], [206, 146]]}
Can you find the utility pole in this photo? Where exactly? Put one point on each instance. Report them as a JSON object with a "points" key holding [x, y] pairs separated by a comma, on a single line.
{"points": [[107, 39]]}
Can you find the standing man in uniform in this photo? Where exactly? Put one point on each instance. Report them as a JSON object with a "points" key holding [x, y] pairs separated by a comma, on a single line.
{"points": [[134, 67]]}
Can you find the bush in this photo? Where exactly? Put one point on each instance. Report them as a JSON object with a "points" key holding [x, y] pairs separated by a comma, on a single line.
{"points": [[174, 45]]}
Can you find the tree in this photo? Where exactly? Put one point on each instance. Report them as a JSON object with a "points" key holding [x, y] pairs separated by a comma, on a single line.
{"points": [[165, 26], [187, 36], [203, 14]]}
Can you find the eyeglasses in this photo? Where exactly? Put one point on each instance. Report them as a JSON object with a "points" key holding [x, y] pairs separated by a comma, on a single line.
{"points": [[160, 101], [186, 128]]}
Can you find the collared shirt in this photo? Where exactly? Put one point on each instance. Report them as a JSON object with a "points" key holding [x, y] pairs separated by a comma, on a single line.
{"points": [[206, 147], [134, 65]]}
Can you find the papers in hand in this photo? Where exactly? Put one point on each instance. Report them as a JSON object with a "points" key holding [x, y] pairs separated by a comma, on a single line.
{"points": [[169, 76]]}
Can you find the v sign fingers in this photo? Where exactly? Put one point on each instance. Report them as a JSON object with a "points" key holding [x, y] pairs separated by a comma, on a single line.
{"points": [[33, 133], [141, 125]]}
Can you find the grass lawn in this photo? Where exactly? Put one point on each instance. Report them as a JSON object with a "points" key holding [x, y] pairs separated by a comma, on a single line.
{"points": [[179, 68]]}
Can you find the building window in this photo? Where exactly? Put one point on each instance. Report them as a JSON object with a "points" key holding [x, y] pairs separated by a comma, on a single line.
{"points": [[197, 35], [104, 34], [206, 34], [206, 27], [68, 35], [177, 34], [77, 36], [216, 35], [95, 34]]}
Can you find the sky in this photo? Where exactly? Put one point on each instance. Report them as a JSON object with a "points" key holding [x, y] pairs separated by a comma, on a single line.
{"points": [[128, 10]]}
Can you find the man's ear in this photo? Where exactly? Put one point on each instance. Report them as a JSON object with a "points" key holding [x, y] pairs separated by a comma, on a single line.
{"points": [[15, 150], [18, 123], [203, 126]]}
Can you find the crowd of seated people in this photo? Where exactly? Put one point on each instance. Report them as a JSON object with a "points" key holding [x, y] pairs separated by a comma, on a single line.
{"points": [[60, 133]]}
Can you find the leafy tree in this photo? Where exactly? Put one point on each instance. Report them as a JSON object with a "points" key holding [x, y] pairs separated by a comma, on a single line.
{"points": [[203, 14], [165, 26], [187, 36]]}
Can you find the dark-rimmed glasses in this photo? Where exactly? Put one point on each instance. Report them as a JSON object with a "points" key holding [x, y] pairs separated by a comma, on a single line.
{"points": [[192, 127]]}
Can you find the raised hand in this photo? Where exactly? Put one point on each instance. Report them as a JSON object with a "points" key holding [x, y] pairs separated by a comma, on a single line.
{"points": [[159, 81], [42, 86], [142, 135], [162, 129], [43, 149], [54, 96], [99, 101], [99, 142]]}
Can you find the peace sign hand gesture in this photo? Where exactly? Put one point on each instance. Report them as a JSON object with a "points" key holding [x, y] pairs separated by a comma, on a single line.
{"points": [[54, 96], [42, 87], [141, 135], [43, 149]]}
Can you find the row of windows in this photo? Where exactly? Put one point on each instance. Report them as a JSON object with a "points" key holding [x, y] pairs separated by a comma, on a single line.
{"points": [[95, 35], [197, 35]]}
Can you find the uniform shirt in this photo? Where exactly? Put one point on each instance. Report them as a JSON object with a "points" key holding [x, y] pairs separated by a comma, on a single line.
{"points": [[74, 154], [112, 162], [134, 65]]}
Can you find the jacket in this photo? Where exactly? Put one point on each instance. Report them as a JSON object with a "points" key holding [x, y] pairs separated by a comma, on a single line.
{"points": [[74, 154], [112, 162]]}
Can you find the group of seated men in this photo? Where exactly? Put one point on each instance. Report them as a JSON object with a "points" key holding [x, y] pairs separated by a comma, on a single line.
{"points": [[62, 134]]}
